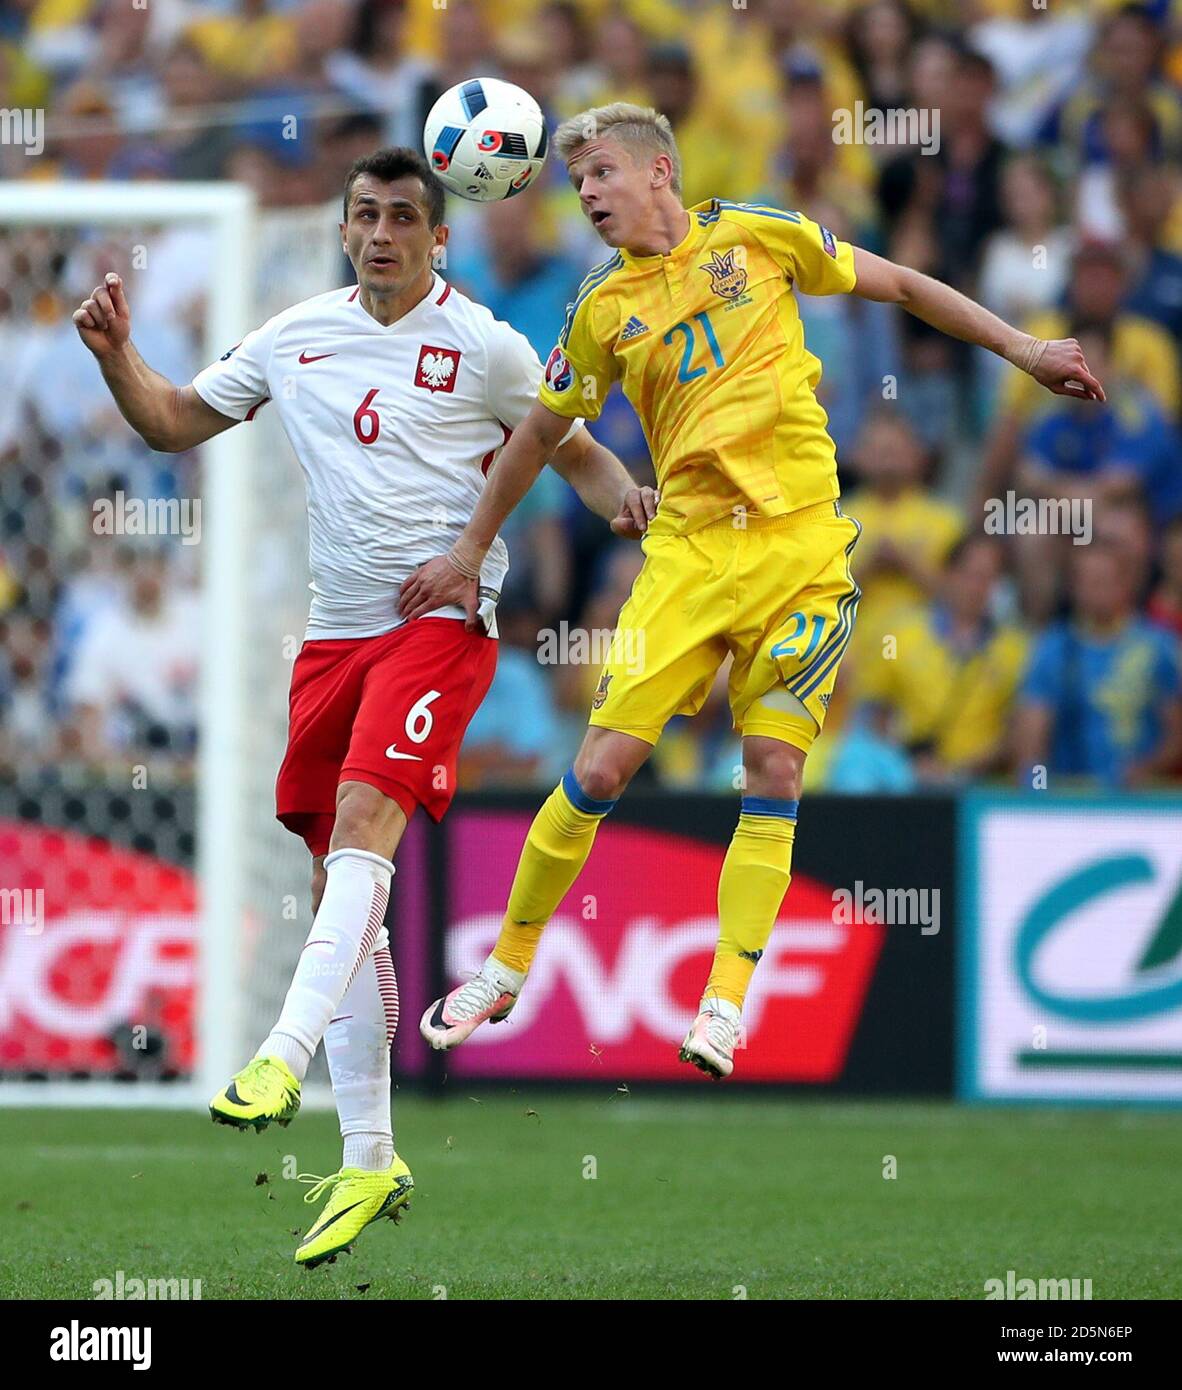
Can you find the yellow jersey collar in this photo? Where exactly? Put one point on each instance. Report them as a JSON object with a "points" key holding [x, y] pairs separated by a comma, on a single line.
{"points": [[684, 247]]}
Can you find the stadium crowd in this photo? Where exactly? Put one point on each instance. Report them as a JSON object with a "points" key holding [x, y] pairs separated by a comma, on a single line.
{"points": [[1043, 179]]}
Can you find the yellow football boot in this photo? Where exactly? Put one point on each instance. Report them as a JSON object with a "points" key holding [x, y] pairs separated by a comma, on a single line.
{"points": [[356, 1197], [264, 1090]]}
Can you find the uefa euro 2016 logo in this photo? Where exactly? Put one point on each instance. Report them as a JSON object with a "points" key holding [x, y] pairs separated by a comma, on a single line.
{"points": [[727, 279], [559, 374]]}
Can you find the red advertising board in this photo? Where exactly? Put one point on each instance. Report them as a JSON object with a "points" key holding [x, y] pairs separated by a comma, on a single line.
{"points": [[95, 942], [622, 964]]}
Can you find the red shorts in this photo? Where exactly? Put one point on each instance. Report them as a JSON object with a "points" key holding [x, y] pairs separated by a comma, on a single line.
{"points": [[390, 711]]}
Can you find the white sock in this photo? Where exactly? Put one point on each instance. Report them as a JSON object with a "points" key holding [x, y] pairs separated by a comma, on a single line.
{"points": [[342, 939], [357, 1045]]}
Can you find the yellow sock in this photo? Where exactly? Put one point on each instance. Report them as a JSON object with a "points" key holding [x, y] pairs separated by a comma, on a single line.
{"points": [[755, 876], [555, 849]]}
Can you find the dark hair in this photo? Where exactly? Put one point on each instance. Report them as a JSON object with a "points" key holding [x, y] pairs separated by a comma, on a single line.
{"points": [[1103, 329], [968, 541], [973, 63], [397, 162], [365, 24]]}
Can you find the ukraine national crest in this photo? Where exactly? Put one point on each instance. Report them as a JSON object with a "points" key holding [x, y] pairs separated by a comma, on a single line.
{"points": [[726, 279]]}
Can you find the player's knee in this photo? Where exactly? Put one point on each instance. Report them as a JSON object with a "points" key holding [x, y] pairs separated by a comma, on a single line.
{"points": [[773, 768], [362, 812], [602, 777]]}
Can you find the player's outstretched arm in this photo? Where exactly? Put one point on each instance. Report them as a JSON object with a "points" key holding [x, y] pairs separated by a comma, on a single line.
{"points": [[1057, 364], [605, 486], [454, 577], [167, 418]]}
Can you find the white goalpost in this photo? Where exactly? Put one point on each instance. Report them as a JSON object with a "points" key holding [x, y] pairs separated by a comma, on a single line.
{"points": [[227, 212]]}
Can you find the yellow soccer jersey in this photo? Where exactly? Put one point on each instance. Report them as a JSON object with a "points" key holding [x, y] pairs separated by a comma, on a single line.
{"points": [[707, 344]]}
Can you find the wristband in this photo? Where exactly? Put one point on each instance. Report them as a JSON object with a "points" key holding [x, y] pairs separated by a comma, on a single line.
{"points": [[464, 567], [1028, 353]]}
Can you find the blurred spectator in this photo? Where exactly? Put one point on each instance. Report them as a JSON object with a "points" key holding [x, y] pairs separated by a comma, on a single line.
{"points": [[1038, 53], [862, 758], [1140, 351], [881, 38], [939, 207], [907, 532], [376, 72], [134, 678], [1128, 134], [712, 159], [512, 739], [1025, 265], [1106, 449], [1125, 71], [539, 557], [804, 36], [952, 196], [195, 149], [1101, 699], [1100, 453], [704, 750], [952, 674], [812, 170], [467, 47], [621, 60], [251, 43], [28, 726], [92, 140], [566, 35], [500, 262], [1124, 524], [1155, 271], [1165, 606], [575, 682]]}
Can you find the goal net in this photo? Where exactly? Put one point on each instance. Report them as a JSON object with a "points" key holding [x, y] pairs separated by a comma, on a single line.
{"points": [[151, 909]]}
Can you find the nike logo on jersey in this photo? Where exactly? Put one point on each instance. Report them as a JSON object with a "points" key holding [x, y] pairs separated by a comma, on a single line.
{"points": [[633, 329], [392, 752], [305, 359]]}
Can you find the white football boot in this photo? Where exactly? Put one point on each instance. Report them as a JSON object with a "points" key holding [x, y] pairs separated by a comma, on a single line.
{"points": [[711, 1041], [489, 995]]}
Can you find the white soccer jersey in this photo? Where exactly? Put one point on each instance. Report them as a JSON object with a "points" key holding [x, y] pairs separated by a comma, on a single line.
{"points": [[395, 429]]}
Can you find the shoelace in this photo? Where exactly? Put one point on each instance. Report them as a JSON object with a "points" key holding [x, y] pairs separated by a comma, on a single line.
{"points": [[322, 1184], [473, 998], [258, 1071]]}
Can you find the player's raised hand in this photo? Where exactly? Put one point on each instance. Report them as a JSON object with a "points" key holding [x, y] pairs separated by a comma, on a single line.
{"points": [[1061, 368], [104, 320], [435, 585], [636, 511]]}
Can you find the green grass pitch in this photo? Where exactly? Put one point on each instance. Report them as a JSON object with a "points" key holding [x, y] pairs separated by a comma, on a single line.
{"points": [[702, 1197]]}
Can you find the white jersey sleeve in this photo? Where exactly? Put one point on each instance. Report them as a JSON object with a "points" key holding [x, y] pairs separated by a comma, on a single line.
{"points": [[236, 384], [514, 376]]}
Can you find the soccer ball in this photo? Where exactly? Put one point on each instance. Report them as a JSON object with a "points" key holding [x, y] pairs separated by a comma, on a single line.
{"points": [[486, 139]]}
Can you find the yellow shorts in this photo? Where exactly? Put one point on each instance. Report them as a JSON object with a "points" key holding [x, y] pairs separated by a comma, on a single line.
{"points": [[777, 594]]}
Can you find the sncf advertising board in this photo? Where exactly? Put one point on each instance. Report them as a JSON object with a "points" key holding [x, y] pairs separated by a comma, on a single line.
{"points": [[842, 998], [1071, 959], [853, 994]]}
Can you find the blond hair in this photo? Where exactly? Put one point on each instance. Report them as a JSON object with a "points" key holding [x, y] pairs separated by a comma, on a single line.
{"points": [[641, 129]]}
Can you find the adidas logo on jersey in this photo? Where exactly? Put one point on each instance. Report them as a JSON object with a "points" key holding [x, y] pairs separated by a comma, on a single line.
{"points": [[633, 329]]}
